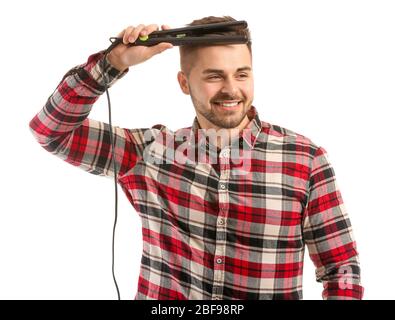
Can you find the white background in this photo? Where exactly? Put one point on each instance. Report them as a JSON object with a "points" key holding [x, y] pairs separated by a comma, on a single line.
{"points": [[324, 69]]}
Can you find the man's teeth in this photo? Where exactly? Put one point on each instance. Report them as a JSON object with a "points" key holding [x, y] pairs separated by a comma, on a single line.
{"points": [[229, 104]]}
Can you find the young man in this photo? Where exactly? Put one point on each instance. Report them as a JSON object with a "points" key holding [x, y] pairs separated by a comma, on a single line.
{"points": [[228, 204]]}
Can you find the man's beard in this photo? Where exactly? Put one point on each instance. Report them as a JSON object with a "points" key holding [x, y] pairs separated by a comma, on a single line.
{"points": [[228, 118]]}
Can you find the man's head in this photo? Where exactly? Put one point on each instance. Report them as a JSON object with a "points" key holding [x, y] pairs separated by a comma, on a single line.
{"points": [[216, 77]]}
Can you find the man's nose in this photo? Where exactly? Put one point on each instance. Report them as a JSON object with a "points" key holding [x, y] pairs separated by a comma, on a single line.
{"points": [[230, 87]]}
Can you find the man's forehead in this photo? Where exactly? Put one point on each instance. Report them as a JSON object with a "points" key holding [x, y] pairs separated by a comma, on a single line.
{"points": [[226, 58]]}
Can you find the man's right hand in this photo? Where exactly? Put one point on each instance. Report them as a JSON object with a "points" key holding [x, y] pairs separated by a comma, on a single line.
{"points": [[122, 56]]}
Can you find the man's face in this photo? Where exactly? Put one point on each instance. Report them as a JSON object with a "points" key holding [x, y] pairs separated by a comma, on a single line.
{"points": [[220, 84]]}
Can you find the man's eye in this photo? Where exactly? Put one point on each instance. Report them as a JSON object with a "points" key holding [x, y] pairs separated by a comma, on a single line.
{"points": [[214, 77], [243, 75]]}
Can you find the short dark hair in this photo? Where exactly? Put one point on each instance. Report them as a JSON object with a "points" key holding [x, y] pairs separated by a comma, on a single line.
{"points": [[186, 50]]}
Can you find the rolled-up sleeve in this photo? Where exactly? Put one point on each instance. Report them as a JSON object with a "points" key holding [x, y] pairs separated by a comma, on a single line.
{"points": [[62, 126], [328, 234]]}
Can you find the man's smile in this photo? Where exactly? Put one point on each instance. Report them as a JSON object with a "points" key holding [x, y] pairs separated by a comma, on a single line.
{"points": [[228, 104]]}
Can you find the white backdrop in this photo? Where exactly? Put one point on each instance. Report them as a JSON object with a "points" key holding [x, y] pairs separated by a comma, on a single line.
{"points": [[324, 69]]}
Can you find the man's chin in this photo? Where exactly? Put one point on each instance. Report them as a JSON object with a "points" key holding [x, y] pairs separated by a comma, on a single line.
{"points": [[228, 122]]}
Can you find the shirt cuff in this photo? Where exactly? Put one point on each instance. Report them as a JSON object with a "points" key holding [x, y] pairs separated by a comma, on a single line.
{"points": [[334, 291], [97, 66]]}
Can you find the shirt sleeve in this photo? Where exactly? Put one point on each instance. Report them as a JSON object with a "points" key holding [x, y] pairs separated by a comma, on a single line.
{"points": [[328, 234], [62, 126]]}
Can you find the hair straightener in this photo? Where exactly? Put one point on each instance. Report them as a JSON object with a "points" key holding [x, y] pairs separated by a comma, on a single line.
{"points": [[208, 34], [192, 35]]}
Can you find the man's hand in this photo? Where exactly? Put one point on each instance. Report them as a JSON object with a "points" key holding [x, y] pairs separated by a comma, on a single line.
{"points": [[122, 56]]}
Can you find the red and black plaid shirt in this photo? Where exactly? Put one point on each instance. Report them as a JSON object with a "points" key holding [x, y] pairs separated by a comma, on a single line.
{"points": [[219, 229]]}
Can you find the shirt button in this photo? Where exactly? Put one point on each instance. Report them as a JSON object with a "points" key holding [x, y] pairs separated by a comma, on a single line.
{"points": [[222, 186], [221, 221], [225, 154], [219, 260]]}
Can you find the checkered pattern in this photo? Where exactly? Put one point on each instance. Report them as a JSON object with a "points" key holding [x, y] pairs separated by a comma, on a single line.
{"points": [[212, 229]]}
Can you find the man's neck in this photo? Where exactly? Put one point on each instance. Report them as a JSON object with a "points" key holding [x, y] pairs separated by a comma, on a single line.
{"points": [[223, 139]]}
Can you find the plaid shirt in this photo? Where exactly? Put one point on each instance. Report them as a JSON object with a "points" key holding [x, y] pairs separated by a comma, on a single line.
{"points": [[212, 229]]}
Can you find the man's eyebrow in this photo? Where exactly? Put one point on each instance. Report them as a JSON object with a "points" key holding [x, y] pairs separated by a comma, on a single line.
{"points": [[206, 71]]}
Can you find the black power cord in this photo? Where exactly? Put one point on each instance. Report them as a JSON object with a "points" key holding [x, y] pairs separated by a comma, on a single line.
{"points": [[115, 169]]}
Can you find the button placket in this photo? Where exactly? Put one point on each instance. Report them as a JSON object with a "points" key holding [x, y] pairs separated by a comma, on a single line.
{"points": [[220, 244]]}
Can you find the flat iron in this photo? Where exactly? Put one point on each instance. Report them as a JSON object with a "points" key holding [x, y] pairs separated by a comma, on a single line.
{"points": [[207, 34]]}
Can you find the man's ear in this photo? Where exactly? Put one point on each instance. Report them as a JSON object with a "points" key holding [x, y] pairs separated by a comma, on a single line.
{"points": [[183, 82]]}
